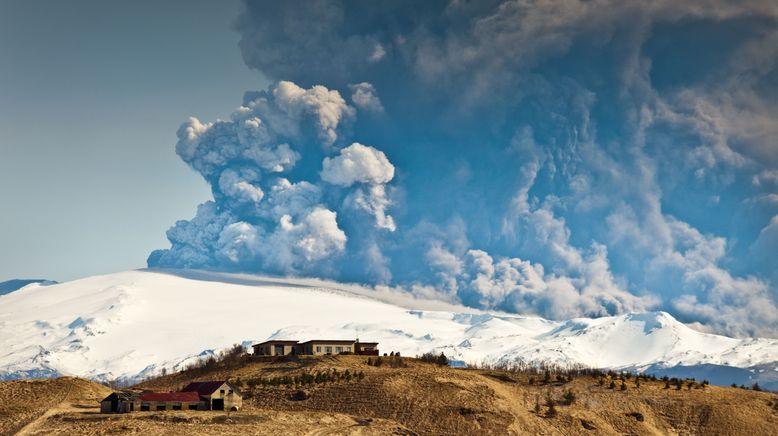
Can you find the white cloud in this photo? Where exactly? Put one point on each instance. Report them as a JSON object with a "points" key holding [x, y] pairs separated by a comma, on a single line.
{"points": [[364, 96], [357, 163], [239, 186], [315, 237], [326, 106], [521, 286], [373, 200]]}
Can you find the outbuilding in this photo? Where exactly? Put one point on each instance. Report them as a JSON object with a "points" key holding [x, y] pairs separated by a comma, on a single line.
{"points": [[160, 401], [121, 402], [216, 395], [275, 348]]}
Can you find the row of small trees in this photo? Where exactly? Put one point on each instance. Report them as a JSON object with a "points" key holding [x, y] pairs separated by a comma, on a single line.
{"points": [[430, 357], [307, 378], [754, 387]]}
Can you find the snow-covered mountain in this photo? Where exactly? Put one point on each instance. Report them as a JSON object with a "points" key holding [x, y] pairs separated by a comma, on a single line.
{"points": [[132, 324], [14, 284]]}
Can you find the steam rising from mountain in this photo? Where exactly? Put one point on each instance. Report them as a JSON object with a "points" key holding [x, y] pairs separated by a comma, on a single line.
{"points": [[562, 158]]}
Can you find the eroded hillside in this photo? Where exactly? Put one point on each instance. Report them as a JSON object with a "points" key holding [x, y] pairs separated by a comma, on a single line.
{"points": [[345, 395]]}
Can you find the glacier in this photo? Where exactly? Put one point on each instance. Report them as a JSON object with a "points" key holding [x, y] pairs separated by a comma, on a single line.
{"points": [[129, 325]]}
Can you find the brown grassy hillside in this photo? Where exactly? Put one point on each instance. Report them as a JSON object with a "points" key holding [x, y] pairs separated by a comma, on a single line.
{"points": [[24, 401], [423, 398], [429, 399]]}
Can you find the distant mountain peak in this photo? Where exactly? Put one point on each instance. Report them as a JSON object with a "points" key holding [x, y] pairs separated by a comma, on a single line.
{"points": [[9, 286]]}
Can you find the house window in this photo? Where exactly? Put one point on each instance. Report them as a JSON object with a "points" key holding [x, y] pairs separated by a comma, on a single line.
{"points": [[229, 392], [144, 407], [161, 407], [221, 391], [318, 349], [338, 350], [328, 350], [177, 406], [192, 406]]}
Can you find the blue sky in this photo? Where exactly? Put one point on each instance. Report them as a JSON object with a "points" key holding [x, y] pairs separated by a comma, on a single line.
{"points": [[91, 93], [554, 158]]}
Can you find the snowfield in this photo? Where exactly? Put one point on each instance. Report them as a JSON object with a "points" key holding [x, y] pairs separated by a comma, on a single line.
{"points": [[132, 324]]}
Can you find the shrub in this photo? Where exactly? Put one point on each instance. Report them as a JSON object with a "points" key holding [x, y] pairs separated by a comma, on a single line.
{"points": [[551, 407], [299, 395], [756, 387], [612, 385], [569, 397], [623, 385]]}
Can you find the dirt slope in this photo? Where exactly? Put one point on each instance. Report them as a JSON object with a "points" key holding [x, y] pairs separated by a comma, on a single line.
{"points": [[419, 398], [22, 402]]}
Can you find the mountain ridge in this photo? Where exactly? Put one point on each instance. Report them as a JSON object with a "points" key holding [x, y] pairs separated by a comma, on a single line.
{"points": [[119, 326]]}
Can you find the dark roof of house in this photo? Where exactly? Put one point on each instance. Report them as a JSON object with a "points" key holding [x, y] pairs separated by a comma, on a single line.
{"points": [[170, 396], [123, 396], [204, 388], [274, 341], [366, 343], [328, 341]]}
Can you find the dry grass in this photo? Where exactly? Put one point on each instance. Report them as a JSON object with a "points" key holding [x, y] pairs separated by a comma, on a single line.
{"points": [[24, 401], [427, 399]]}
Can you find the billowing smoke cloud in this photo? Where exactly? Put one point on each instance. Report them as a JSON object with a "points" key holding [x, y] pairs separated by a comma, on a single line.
{"points": [[574, 158], [259, 219]]}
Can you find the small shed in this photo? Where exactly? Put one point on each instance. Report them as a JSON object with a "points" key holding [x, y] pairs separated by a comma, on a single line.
{"points": [[120, 402]]}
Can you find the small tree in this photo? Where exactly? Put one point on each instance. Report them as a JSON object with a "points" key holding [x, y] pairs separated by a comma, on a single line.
{"points": [[569, 397], [623, 385], [537, 406], [551, 407], [442, 360], [612, 385], [756, 387], [369, 361]]}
